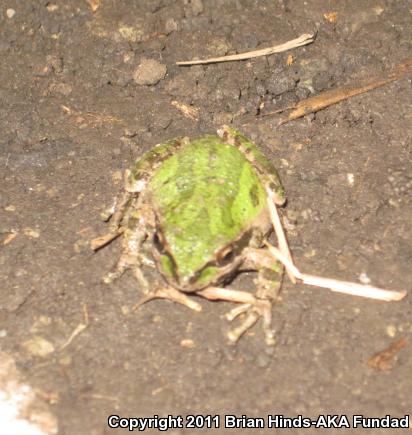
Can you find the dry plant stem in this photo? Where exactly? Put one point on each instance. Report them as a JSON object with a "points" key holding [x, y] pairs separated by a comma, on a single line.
{"points": [[283, 244], [304, 39], [293, 270], [334, 96], [79, 328], [384, 359], [351, 288]]}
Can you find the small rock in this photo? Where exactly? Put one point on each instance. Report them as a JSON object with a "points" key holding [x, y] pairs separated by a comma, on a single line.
{"points": [[188, 343], [29, 232], [38, 346], [183, 85], [125, 310], [222, 118], [52, 7], [364, 278], [350, 178], [197, 6], [280, 84], [10, 13], [163, 120], [391, 330], [130, 33], [149, 72], [170, 26], [322, 80], [61, 88]]}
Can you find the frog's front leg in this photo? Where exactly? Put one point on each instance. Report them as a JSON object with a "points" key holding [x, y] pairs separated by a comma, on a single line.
{"points": [[137, 231], [131, 189], [135, 182], [130, 258], [117, 213]]}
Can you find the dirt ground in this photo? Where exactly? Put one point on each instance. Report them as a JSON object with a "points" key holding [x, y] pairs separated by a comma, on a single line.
{"points": [[76, 111]]}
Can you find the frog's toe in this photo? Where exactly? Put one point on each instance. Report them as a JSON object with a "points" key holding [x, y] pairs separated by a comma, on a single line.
{"points": [[169, 293], [140, 278], [111, 276], [261, 308]]}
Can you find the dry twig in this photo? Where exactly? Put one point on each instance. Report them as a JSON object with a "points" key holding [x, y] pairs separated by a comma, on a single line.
{"points": [[79, 328], [335, 285], [334, 96], [304, 39], [384, 359], [283, 244]]}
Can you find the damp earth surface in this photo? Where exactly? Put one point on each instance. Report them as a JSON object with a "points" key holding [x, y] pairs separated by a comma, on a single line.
{"points": [[88, 87]]}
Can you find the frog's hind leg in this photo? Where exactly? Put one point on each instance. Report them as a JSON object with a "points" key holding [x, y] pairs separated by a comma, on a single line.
{"points": [[171, 294], [267, 172], [254, 306]]}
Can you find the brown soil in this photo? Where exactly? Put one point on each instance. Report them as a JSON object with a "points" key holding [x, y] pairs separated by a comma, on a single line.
{"points": [[73, 117]]}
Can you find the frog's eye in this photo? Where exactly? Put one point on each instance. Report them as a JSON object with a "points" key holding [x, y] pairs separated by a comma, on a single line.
{"points": [[226, 255], [158, 242]]}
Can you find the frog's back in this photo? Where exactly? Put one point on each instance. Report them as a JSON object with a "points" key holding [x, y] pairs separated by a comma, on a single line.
{"points": [[205, 196]]}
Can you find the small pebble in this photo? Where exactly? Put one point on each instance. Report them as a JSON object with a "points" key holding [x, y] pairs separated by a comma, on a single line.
{"points": [[170, 26], [125, 310], [364, 278], [52, 7], [10, 13], [29, 232], [149, 72], [188, 343], [66, 361], [197, 7], [351, 179], [391, 330], [38, 346]]}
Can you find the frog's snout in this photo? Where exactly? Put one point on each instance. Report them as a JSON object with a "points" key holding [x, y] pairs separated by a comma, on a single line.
{"points": [[184, 280], [186, 284]]}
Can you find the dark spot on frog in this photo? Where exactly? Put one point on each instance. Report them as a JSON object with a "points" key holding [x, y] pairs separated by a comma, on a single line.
{"points": [[253, 195]]}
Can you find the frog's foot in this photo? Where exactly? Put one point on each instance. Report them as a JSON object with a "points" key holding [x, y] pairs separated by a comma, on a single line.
{"points": [[262, 308], [107, 213], [128, 261], [171, 294], [253, 308]]}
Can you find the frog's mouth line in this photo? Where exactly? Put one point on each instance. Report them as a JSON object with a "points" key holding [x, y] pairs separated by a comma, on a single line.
{"points": [[227, 261]]}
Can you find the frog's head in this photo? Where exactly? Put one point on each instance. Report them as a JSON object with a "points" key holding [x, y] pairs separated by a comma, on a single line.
{"points": [[193, 269]]}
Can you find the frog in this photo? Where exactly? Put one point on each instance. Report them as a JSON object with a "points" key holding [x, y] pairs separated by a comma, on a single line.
{"points": [[197, 210]]}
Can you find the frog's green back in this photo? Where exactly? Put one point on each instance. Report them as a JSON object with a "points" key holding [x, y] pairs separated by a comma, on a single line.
{"points": [[206, 195]]}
